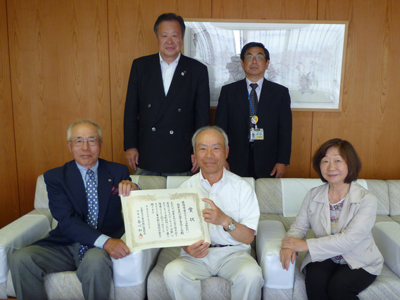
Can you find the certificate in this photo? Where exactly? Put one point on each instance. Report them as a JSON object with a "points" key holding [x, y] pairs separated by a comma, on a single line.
{"points": [[164, 218]]}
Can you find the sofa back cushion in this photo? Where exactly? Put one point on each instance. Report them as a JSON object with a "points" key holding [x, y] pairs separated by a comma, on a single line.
{"points": [[380, 189], [41, 199], [151, 182], [394, 196]]}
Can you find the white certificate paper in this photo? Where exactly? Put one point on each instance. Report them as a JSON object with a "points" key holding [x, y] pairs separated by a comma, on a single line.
{"points": [[164, 218]]}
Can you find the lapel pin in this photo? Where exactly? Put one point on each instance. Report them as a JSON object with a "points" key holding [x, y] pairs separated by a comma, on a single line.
{"points": [[183, 73], [109, 180]]}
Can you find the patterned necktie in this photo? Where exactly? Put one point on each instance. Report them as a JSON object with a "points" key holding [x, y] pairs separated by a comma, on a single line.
{"points": [[93, 206], [254, 101]]}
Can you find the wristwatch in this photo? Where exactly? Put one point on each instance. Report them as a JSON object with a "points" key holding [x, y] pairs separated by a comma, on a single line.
{"points": [[231, 226]]}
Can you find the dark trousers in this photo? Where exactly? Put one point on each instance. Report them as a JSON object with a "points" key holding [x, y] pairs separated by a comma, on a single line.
{"points": [[251, 172], [328, 280], [30, 264]]}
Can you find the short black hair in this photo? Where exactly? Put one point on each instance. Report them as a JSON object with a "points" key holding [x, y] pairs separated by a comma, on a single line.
{"points": [[252, 45], [170, 17], [347, 152]]}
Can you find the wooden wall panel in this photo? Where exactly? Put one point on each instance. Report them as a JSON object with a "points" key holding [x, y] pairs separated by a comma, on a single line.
{"points": [[60, 74], [132, 36], [369, 119], [268, 9], [70, 59], [9, 203]]}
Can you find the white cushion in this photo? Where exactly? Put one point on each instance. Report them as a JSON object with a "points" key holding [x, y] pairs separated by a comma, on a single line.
{"points": [[22, 232], [269, 240], [132, 270], [174, 182], [387, 238]]}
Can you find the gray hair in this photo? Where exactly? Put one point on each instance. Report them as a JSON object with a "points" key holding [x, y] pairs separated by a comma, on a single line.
{"points": [[84, 122], [219, 129]]}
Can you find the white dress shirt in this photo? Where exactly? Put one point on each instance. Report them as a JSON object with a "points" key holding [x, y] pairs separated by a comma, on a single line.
{"points": [[235, 197], [167, 71], [258, 89]]}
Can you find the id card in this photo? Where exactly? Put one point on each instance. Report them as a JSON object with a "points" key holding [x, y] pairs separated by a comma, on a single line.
{"points": [[256, 134]]}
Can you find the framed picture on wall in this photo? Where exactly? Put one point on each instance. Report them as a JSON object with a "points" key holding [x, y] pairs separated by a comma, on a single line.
{"points": [[307, 57]]}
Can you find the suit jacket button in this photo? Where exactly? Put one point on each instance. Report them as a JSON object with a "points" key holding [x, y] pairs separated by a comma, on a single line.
{"points": [[171, 132], [179, 110], [153, 129], [149, 105]]}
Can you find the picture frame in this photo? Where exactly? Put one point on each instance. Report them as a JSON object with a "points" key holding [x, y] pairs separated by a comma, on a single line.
{"points": [[308, 57]]}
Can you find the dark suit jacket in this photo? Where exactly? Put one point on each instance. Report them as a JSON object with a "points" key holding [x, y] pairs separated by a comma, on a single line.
{"points": [[68, 204], [275, 117], [159, 126]]}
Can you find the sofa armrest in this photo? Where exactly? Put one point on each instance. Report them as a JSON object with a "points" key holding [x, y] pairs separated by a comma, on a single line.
{"points": [[269, 240], [22, 232], [387, 238], [133, 269]]}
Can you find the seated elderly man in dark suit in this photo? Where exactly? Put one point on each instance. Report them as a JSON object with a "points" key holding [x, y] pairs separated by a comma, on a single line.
{"points": [[84, 199]]}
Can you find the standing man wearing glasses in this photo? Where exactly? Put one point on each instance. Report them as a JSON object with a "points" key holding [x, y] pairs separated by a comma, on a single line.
{"points": [[84, 199], [256, 115]]}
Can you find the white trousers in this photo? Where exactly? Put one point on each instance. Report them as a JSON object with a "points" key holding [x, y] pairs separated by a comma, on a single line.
{"points": [[183, 275]]}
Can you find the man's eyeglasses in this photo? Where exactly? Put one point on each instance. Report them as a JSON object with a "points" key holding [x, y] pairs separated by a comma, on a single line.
{"points": [[92, 141], [258, 57]]}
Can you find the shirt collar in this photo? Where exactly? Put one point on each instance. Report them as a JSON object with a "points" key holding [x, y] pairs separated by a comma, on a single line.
{"points": [[260, 83], [84, 170], [221, 181], [176, 61]]}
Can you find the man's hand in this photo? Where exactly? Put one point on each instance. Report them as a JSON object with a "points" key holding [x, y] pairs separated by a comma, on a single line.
{"points": [[198, 250], [132, 157], [116, 248], [214, 215], [125, 187], [195, 166], [279, 170], [287, 256]]}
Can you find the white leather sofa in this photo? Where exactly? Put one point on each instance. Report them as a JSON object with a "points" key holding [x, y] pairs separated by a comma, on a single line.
{"points": [[279, 201]]}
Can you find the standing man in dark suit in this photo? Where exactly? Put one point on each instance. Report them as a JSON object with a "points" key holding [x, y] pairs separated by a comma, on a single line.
{"points": [[168, 99], [260, 141], [84, 199]]}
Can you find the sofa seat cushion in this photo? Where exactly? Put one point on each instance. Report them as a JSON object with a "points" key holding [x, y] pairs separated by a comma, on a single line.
{"points": [[383, 219], [66, 286], [213, 288]]}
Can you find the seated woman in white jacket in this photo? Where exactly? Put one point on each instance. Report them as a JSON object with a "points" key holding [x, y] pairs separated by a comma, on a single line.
{"points": [[342, 259]]}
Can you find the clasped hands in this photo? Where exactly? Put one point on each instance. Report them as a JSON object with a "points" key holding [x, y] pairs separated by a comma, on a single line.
{"points": [[290, 246], [211, 215]]}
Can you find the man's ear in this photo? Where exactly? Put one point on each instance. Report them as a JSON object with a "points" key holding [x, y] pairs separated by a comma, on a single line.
{"points": [[69, 145], [226, 152]]}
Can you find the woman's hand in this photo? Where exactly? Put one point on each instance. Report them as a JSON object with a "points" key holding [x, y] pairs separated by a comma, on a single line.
{"points": [[294, 244], [287, 256]]}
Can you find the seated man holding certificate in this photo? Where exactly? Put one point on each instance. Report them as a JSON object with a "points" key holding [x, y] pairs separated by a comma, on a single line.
{"points": [[84, 197], [233, 216]]}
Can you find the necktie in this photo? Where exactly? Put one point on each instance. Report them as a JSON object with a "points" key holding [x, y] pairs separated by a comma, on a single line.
{"points": [[254, 100], [93, 206]]}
